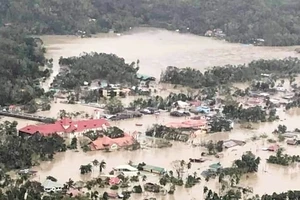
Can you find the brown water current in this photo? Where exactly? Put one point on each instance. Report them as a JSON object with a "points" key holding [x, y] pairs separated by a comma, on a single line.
{"points": [[156, 49]]}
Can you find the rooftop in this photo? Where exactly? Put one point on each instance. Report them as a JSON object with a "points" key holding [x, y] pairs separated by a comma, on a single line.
{"points": [[106, 142], [51, 184], [129, 167], [65, 125]]}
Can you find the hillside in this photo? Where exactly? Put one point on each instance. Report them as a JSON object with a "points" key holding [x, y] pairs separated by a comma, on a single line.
{"points": [[275, 21]]}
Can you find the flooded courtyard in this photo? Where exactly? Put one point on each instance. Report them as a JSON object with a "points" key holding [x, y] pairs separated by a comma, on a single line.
{"points": [[156, 49]]}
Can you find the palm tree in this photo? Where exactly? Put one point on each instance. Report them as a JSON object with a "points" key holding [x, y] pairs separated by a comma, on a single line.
{"points": [[94, 195], [95, 163], [102, 166], [189, 165], [84, 169], [70, 183], [144, 178]]}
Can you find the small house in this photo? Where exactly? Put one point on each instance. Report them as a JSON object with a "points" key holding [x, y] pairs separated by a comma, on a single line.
{"points": [[215, 166], [51, 186], [274, 147], [143, 77], [232, 143], [292, 142], [126, 170], [151, 169]]}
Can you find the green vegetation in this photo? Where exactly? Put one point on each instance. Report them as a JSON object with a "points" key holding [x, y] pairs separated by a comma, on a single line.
{"points": [[85, 169], [219, 124], [89, 67], [22, 152], [290, 195], [214, 148], [230, 73], [228, 178], [20, 59], [160, 131], [114, 106], [252, 114], [242, 21], [294, 104], [283, 159]]}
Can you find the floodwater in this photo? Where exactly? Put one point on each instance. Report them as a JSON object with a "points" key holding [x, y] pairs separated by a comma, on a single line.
{"points": [[156, 49]]}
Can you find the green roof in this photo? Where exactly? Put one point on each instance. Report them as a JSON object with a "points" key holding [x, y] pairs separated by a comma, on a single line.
{"points": [[160, 169], [144, 77], [151, 167], [215, 166]]}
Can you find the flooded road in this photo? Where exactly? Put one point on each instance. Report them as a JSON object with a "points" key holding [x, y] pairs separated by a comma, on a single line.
{"points": [[156, 49]]}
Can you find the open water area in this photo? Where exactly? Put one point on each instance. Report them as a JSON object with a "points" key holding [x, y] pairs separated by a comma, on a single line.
{"points": [[156, 49]]}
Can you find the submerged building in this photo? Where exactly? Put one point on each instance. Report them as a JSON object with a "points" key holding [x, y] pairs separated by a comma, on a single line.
{"points": [[66, 127]]}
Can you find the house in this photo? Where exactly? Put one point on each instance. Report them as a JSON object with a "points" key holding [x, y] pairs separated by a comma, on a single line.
{"points": [[292, 142], [27, 172], [51, 186], [201, 109], [74, 192], [126, 170], [290, 135], [215, 166], [232, 143], [106, 142], [114, 181], [208, 33], [274, 147], [66, 127], [181, 104], [143, 77], [150, 168]]}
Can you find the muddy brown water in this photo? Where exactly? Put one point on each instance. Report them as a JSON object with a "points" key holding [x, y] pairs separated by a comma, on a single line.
{"points": [[156, 49]]}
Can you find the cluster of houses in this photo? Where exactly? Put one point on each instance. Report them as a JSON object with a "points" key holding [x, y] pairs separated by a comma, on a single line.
{"points": [[69, 128], [126, 170]]}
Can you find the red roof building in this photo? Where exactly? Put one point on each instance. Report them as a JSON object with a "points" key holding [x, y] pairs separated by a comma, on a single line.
{"points": [[66, 127], [105, 142]]}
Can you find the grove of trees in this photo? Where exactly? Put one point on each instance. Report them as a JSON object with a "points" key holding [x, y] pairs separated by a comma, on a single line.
{"points": [[218, 75], [89, 67]]}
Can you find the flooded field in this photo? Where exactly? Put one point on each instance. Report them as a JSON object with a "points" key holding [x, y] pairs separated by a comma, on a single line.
{"points": [[156, 49]]}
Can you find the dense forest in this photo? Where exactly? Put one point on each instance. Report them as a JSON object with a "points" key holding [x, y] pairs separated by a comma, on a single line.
{"points": [[20, 60], [89, 67], [231, 73], [275, 21]]}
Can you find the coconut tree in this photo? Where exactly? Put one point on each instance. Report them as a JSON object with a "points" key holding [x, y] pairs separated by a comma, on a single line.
{"points": [[84, 169], [182, 163], [95, 163], [144, 178], [189, 165], [102, 166], [69, 184], [94, 195]]}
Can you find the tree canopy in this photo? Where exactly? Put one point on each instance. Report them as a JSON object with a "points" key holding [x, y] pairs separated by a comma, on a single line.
{"points": [[89, 67], [230, 73], [277, 22], [20, 59]]}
